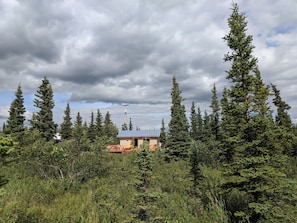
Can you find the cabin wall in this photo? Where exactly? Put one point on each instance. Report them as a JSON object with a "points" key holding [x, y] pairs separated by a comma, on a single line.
{"points": [[128, 142]]}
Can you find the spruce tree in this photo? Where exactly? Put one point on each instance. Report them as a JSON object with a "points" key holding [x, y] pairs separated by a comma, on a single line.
{"points": [[124, 127], [282, 118], [16, 119], [163, 134], [199, 125], [207, 133], [109, 128], [99, 127], [241, 75], [254, 161], [178, 138], [32, 121], [215, 116], [7, 146], [66, 126], [194, 124], [43, 101], [143, 196], [228, 131], [130, 125], [4, 127], [92, 129], [78, 128]]}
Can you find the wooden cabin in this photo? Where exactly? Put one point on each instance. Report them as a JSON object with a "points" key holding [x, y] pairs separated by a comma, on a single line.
{"points": [[133, 139]]}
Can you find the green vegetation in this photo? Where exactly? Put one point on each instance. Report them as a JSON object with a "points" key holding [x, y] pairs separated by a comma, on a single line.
{"points": [[15, 122], [44, 102], [178, 138], [236, 164]]}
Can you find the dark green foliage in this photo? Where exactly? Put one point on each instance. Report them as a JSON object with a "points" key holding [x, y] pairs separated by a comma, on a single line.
{"points": [[207, 131], [92, 129], [257, 174], [199, 155], [33, 121], [78, 128], [130, 125], [124, 127], [110, 129], [215, 115], [242, 71], [203, 155], [199, 125], [144, 197], [3, 127], [66, 126], [43, 119], [237, 102], [16, 119], [230, 133], [194, 122], [253, 159], [99, 125], [178, 138], [163, 134], [65, 160], [282, 118], [7, 146]]}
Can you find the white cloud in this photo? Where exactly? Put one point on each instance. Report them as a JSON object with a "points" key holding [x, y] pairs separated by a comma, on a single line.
{"points": [[127, 52]]}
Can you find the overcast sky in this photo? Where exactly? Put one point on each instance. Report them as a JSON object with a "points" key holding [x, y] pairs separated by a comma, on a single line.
{"points": [[103, 54]]}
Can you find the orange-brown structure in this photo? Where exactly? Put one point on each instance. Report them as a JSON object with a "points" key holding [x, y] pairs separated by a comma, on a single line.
{"points": [[132, 140]]}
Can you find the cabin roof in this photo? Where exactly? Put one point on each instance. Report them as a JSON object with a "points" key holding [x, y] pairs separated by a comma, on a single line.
{"points": [[139, 133]]}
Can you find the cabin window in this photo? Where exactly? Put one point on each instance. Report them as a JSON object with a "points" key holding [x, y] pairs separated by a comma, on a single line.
{"points": [[135, 142]]}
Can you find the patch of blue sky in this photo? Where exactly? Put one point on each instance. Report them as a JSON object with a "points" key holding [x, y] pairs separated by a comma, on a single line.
{"points": [[95, 105], [245, 12], [6, 97], [62, 97], [281, 30], [272, 43]]}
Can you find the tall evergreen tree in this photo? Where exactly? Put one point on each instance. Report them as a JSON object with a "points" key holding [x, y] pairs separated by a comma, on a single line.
{"points": [[143, 196], [4, 127], [33, 121], [45, 103], [199, 125], [99, 125], [207, 133], [109, 128], [253, 160], [124, 127], [16, 119], [228, 130], [66, 126], [178, 138], [163, 134], [78, 128], [194, 124], [282, 118], [215, 116], [130, 125], [242, 76], [92, 128]]}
